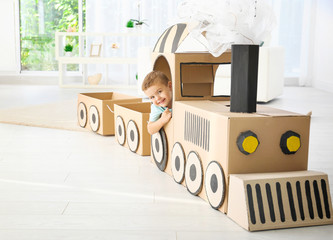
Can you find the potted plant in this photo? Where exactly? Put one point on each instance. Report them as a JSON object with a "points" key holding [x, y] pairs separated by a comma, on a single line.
{"points": [[130, 24], [136, 22], [68, 50]]}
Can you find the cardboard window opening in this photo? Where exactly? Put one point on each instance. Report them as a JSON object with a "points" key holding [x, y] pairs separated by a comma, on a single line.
{"points": [[161, 64], [197, 79]]}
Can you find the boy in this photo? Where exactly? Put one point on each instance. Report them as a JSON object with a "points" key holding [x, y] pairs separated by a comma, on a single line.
{"points": [[158, 88]]}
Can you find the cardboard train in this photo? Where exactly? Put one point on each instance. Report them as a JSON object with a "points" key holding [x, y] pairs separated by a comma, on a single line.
{"points": [[247, 161]]}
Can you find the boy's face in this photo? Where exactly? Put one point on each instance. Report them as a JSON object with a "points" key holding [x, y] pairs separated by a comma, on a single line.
{"points": [[160, 94]]}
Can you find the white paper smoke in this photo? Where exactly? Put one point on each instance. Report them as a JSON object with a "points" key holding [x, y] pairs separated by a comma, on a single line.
{"points": [[226, 22]]}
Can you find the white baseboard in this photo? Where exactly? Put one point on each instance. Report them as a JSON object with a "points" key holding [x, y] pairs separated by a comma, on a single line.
{"points": [[34, 79], [322, 85]]}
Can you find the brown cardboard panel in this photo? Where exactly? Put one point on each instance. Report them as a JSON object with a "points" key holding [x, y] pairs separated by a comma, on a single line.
{"points": [[89, 101], [169, 63], [223, 107], [182, 59], [205, 133], [143, 107], [269, 111], [197, 73], [280, 200], [224, 130], [104, 101], [164, 64], [268, 157], [139, 114], [99, 95], [197, 89]]}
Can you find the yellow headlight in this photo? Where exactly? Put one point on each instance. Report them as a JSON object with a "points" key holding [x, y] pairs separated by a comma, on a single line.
{"points": [[290, 142], [247, 142]]}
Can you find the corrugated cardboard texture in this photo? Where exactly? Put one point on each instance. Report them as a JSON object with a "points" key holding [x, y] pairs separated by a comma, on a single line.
{"points": [[208, 128], [206, 133], [279, 200], [139, 113], [103, 101], [268, 157]]}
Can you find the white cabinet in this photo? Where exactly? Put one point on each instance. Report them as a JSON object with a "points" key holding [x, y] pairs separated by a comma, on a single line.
{"points": [[116, 63]]}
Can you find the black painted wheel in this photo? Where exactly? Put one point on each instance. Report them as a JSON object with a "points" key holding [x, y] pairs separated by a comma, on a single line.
{"points": [[120, 130], [178, 162], [159, 148], [82, 114], [193, 173], [94, 118], [132, 136], [215, 184]]}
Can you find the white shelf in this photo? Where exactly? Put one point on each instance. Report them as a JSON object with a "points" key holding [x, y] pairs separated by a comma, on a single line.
{"points": [[108, 56], [97, 60]]}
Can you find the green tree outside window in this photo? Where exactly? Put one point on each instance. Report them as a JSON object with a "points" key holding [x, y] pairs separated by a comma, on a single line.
{"points": [[39, 20]]}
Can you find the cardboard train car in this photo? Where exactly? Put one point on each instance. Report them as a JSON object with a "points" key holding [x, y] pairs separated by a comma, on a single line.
{"points": [[247, 161], [95, 110]]}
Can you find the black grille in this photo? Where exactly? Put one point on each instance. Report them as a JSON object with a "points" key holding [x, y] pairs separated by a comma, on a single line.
{"points": [[303, 199], [197, 130]]}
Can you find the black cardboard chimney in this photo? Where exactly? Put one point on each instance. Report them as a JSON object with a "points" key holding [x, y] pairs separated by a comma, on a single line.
{"points": [[244, 78]]}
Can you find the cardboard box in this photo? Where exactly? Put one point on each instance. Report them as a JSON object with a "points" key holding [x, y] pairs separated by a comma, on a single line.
{"points": [[279, 200], [131, 126], [210, 130], [95, 110]]}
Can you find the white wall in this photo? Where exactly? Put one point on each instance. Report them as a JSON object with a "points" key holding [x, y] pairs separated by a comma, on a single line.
{"points": [[323, 46], [8, 53]]}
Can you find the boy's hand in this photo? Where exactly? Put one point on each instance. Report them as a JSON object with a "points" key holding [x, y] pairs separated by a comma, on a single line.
{"points": [[166, 115]]}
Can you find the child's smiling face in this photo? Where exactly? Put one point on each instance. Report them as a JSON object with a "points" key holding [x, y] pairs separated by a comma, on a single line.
{"points": [[160, 94]]}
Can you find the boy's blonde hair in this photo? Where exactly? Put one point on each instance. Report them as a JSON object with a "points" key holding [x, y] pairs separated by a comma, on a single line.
{"points": [[154, 77]]}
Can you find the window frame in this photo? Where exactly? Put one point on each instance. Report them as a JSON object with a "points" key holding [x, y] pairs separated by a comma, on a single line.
{"points": [[18, 46]]}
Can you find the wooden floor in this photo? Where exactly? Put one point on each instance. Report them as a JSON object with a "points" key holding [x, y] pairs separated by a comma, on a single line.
{"points": [[62, 185]]}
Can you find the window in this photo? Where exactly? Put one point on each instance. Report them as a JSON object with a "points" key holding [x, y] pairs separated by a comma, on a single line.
{"points": [[293, 22], [39, 20]]}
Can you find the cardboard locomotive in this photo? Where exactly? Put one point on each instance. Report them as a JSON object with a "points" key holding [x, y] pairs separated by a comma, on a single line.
{"points": [[248, 162]]}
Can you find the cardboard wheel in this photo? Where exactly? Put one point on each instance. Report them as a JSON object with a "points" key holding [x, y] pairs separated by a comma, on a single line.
{"points": [[159, 148], [120, 130], [215, 184], [94, 118], [193, 173], [132, 136], [82, 114], [178, 162]]}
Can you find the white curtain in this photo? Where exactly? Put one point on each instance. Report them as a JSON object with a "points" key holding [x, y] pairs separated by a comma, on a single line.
{"points": [[112, 16], [295, 33], [294, 29]]}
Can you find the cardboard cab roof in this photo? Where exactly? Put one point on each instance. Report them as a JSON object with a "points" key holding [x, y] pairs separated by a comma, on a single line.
{"points": [[177, 39]]}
